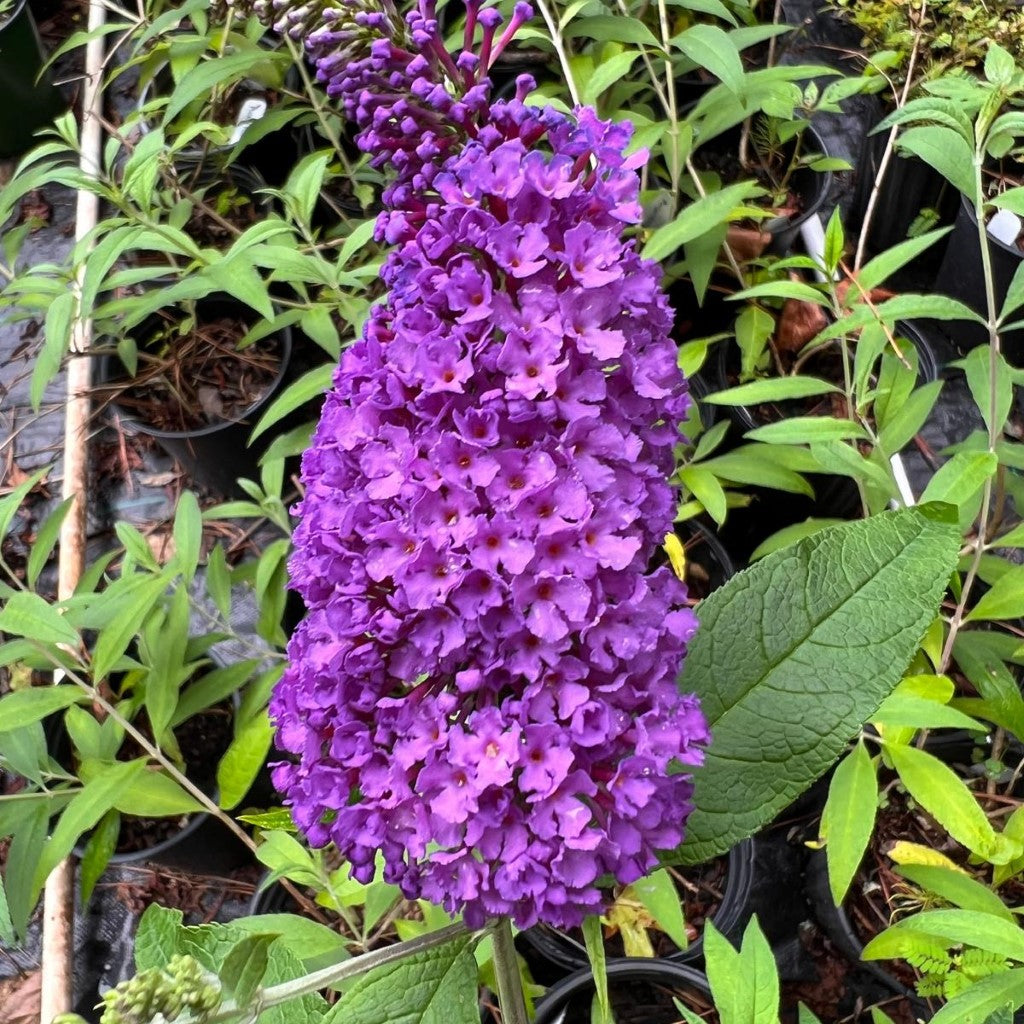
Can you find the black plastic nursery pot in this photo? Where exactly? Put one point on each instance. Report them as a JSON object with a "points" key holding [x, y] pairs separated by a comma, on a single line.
{"points": [[708, 564], [909, 188], [218, 454], [961, 276], [563, 952], [641, 992], [29, 102], [808, 187]]}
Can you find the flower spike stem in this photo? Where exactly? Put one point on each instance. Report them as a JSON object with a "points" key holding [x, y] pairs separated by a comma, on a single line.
{"points": [[506, 969]]}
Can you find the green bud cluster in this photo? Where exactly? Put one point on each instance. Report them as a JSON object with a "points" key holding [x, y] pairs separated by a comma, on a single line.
{"points": [[183, 985]]}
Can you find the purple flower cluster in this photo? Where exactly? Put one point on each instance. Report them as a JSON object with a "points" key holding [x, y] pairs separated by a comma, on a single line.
{"points": [[484, 688]]}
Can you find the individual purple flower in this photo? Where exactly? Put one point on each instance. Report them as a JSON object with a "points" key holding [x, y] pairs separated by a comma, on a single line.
{"points": [[484, 689]]}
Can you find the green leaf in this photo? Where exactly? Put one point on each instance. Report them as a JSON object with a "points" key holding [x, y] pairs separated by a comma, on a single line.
{"points": [[943, 148], [835, 242], [905, 709], [878, 270], [954, 927], [698, 218], [848, 818], [976, 369], [704, 486], [166, 638], [313, 384], [789, 535], [958, 888], [243, 759], [23, 707], [57, 333], [781, 640], [1000, 67], [658, 893], [984, 997], [85, 809], [722, 964], [771, 389], [612, 28], [901, 421], [188, 534], [606, 74], [244, 967], [28, 836], [204, 77], [1004, 601], [98, 851], [744, 984], [218, 580], [960, 479], [752, 464], [155, 795], [944, 796], [710, 47], [807, 430], [212, 688], [438, 986], [784, 289], [114, 639], [308, 940], [46, 540], [754, 327], [593, 936], [10, 503], [27, 614], [7, 936], [135, 545]]}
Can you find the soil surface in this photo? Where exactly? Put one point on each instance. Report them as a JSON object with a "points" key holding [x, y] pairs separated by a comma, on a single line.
{"points": [[209, 380]]}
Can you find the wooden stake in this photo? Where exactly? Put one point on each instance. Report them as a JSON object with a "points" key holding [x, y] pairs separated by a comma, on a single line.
{"points": [[58, 949]]}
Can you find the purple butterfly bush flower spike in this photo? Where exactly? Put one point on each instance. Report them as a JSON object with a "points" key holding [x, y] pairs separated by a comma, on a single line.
{"points": [[484, 688]]}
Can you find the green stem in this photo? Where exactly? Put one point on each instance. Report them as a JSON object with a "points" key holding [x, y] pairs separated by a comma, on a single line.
{"points": [[985, 119], [506, 969]]}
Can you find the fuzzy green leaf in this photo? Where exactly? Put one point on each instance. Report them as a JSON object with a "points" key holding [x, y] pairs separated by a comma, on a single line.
{"points": [[438, 986], [795, 653]]}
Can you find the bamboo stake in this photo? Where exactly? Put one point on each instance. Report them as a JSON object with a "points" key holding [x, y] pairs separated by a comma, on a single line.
{"points": [[58, 947]]}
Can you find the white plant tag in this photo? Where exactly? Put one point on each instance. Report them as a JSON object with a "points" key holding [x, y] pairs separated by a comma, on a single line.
{"points": [[252, 109], [1005, 227]]}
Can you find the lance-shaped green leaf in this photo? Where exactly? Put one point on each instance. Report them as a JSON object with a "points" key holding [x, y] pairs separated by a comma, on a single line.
{"points": [[849, 818], [795, 653]]}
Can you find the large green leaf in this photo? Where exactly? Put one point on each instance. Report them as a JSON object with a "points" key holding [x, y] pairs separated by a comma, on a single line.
{"points": [[795, 653], [438, 986]]}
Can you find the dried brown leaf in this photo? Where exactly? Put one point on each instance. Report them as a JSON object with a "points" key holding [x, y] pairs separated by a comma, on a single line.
{"points": [[20, 999]]}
